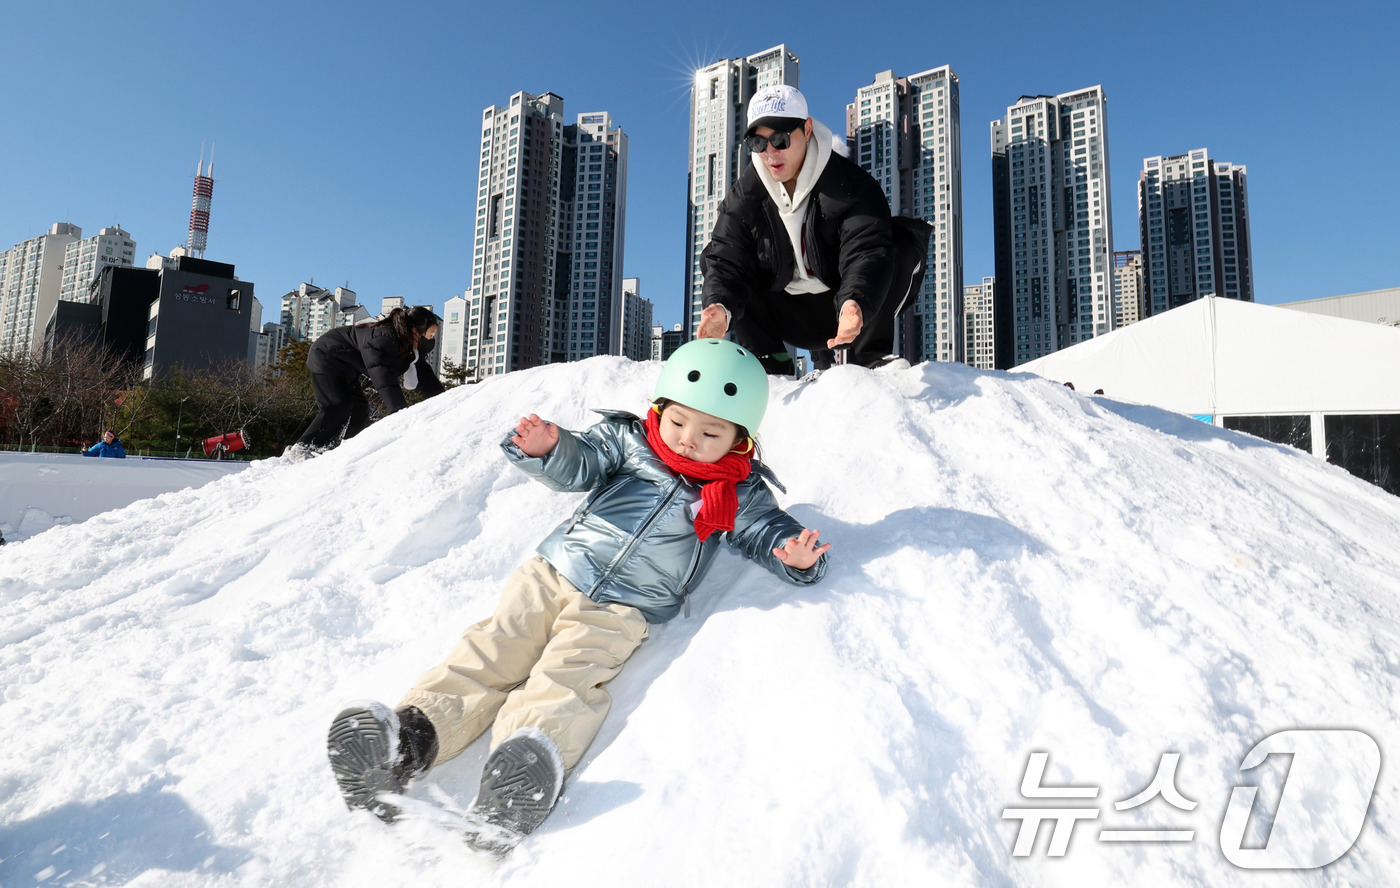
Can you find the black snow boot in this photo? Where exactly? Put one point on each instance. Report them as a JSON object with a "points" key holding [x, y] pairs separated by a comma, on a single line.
{"points": [[376, 750], [519, 785]]}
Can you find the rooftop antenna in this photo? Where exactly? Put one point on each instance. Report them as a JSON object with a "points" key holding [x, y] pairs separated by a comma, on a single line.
{"points": [[203, 197]]}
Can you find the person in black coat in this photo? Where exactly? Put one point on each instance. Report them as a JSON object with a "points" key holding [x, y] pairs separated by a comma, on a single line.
{"points": [[392, 347], [800, 198]]}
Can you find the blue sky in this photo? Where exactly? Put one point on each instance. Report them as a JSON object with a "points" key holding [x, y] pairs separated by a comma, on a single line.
{"points": [[347, 133]]}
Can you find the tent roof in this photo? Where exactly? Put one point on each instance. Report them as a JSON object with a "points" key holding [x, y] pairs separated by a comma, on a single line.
{"points": [[1225, 357]]}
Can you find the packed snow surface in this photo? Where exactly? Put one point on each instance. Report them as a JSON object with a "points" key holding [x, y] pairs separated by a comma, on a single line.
{"points": [[41, 490], [1015, 569]]}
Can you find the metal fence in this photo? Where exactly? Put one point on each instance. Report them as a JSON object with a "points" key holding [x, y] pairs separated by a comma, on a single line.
{"points": [[156, 454]]}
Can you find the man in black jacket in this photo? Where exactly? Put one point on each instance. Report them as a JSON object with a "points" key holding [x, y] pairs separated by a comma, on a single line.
{"points": [[803, 251]]}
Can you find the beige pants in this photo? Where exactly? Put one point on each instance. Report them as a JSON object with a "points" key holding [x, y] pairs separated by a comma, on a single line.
{"points": [[540, 661]]}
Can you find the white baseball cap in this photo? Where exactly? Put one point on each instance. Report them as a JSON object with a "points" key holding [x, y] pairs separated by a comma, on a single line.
{"points": [[781, 108]]}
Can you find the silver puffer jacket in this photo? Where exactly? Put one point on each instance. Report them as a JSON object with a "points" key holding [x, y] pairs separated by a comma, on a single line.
{"points": [[633, 540]]}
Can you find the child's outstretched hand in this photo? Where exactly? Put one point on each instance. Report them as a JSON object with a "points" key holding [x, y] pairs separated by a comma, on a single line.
{"points": [[535, 436], [801, 551]]}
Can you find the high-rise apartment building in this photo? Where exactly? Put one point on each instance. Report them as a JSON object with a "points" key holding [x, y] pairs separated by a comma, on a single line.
{"points": [[907, 133], [547, 257], [1193, 214], [636, 321], [519, 297], [32, 282], [1127, 288], [719, 105], [309, 311], [1053, 223], [598, 208], [979, 309], [83, 261]]}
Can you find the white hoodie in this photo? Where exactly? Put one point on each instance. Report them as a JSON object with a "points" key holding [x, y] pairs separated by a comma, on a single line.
{"points": [[793, 209]]}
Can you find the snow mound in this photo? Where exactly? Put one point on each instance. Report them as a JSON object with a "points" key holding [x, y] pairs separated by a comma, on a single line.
{"points": [[1016, 569]]}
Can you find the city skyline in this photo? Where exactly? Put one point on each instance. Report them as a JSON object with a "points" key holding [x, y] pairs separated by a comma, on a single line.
{"points": [[365, 173]]}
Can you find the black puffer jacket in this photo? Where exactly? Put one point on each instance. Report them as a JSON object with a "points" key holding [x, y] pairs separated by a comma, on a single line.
{"points": [[372, 350], [846, 234]]}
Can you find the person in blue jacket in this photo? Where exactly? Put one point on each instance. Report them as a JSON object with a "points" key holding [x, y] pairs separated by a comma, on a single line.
{"points": [[664, 491], [110, 446], [395, 346]]}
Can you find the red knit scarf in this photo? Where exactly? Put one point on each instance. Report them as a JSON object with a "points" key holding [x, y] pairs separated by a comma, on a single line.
{"points": [[719, 499]]}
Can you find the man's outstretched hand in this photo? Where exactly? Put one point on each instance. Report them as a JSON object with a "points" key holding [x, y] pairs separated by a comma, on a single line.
{"points": [[714, 323], [848, 325]]}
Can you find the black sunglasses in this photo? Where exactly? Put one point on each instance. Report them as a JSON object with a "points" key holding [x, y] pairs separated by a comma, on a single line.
{"points": [[759, 144]]}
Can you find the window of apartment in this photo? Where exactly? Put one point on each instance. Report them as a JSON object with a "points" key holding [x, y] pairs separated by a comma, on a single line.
{"points": [[494, 225]]}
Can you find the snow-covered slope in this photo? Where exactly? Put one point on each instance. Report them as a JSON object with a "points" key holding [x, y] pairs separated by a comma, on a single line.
{"points": [[1016, 568]]}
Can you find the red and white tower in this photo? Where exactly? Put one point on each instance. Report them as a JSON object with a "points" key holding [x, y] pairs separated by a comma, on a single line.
{"points": [[203, 197]]}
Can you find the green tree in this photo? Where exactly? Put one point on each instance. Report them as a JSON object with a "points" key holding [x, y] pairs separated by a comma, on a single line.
{"points": [[454, 374]]}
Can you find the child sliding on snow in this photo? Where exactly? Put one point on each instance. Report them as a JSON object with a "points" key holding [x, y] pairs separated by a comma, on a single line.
{"points": [[664, 490]]}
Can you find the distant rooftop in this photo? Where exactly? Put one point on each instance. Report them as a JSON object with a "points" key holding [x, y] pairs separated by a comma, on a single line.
{"points": [[1373, 306]]}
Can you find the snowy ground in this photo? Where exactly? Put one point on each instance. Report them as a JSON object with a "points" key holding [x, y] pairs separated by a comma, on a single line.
{"points": [[41, 490], [1016, 568]]}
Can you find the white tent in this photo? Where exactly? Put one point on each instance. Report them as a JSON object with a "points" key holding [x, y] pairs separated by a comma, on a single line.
{"points": [[1221, 357]]}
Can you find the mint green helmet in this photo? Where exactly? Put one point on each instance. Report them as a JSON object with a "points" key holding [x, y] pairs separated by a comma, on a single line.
{"points": [[717, 377]]}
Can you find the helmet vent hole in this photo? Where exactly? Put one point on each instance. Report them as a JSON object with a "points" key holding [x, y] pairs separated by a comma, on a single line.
{"points": [[730, 389], [693, 376]]}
